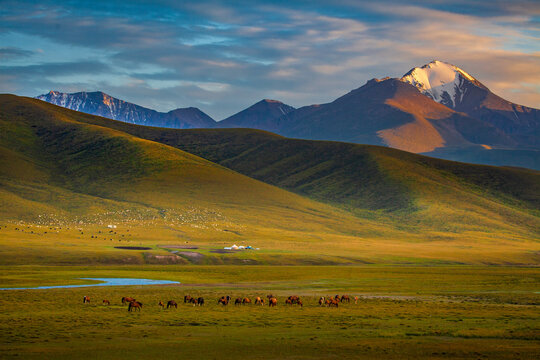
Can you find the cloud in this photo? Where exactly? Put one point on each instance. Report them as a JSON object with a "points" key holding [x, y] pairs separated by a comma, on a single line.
{"points": [[225, 57], [14, 52]]}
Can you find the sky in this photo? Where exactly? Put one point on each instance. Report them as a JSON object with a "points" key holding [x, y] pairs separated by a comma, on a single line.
{"points": [[225, 56]]}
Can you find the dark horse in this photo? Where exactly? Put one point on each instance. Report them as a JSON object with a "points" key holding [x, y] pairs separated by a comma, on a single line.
{"points": [[172, 303], [106, 302], [135, 305], [200, 301], [85, 299], [223, 300]]}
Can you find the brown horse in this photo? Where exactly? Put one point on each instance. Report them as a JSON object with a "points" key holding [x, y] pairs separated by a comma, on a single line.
{"points": [[321, 301], [187, 299], [356, 299], [223, 301], [346, 298], [135, 305], [172, 303], [238, 301], [86, 299], [194, 301], [200, 301], [259, 301], [246, 301], [272, 302], [106, 302], [299, 302], [288, 302], [333, 302], [294, 299], [161, 304], [127, 300]]}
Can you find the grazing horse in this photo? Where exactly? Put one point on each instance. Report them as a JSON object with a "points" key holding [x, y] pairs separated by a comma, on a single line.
{"points": [[258, 300], [86, 299], [223, 301], [246, 301], [238, 301], [135, 305], [200, 301], [321, 301], [288, 302], [299, 302], [162, 304], [193, 301], [172, 303], [345, 298], [328, 301], [294, 299], [356, 299], [272, 302], [106, 302], [127, 300], [333, 302], [187, 299]]}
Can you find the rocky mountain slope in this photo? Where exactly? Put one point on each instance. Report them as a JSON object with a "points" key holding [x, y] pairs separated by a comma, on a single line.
{"points": [[101, 104]]}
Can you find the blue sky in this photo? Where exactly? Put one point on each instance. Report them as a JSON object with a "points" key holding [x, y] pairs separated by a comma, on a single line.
{"points": [[225, 56]]}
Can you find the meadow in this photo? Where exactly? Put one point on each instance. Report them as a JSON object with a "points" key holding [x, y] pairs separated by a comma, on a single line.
{"points": [[444, 256], [436, 312]]}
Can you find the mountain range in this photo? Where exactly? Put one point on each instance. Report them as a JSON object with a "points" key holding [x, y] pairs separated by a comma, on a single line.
{"points": [[437, 110], [101, 104]]}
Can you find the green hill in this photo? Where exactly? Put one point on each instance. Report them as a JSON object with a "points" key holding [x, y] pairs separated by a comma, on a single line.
{"points": [[352, 203], [371, 181]]}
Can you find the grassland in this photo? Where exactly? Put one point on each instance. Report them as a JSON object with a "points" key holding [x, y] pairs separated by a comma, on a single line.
{"points": [[404, 312], [443, 255]]}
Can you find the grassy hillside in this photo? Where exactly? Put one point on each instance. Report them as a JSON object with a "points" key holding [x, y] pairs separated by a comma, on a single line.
{"points": [[371, 181], [65, 175], [53, 160]]}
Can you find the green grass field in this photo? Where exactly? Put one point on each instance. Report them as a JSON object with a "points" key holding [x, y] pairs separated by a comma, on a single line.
{"points": [[403, 312]]}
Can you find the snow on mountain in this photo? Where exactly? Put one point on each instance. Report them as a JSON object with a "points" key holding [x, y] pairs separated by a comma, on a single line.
{"points": [[101, 104], [442, 82]]}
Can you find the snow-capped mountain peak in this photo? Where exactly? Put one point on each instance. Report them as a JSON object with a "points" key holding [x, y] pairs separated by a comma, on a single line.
{"points": [[443, 82]]}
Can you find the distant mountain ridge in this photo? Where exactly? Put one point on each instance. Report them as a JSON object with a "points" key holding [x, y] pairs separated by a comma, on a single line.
{"points": [[101, 104], [453, 87], [437, 109], [263, 115]]}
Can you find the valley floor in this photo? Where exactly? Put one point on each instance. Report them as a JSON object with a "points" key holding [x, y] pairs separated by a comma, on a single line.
{"points": [[404, 312]]}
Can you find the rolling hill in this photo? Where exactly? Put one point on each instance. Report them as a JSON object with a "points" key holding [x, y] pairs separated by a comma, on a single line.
{"points": [[370, 181], [318, 202]]}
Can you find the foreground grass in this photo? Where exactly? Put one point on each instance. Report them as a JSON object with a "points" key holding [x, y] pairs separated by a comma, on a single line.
{"points": [[404, 312]]}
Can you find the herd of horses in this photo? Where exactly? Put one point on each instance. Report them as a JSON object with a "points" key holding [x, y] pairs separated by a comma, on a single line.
{"points": [[134, 305]]}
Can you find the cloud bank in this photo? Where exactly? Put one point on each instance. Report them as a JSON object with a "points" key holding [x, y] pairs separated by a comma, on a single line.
{"points": [[223, 58]]}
